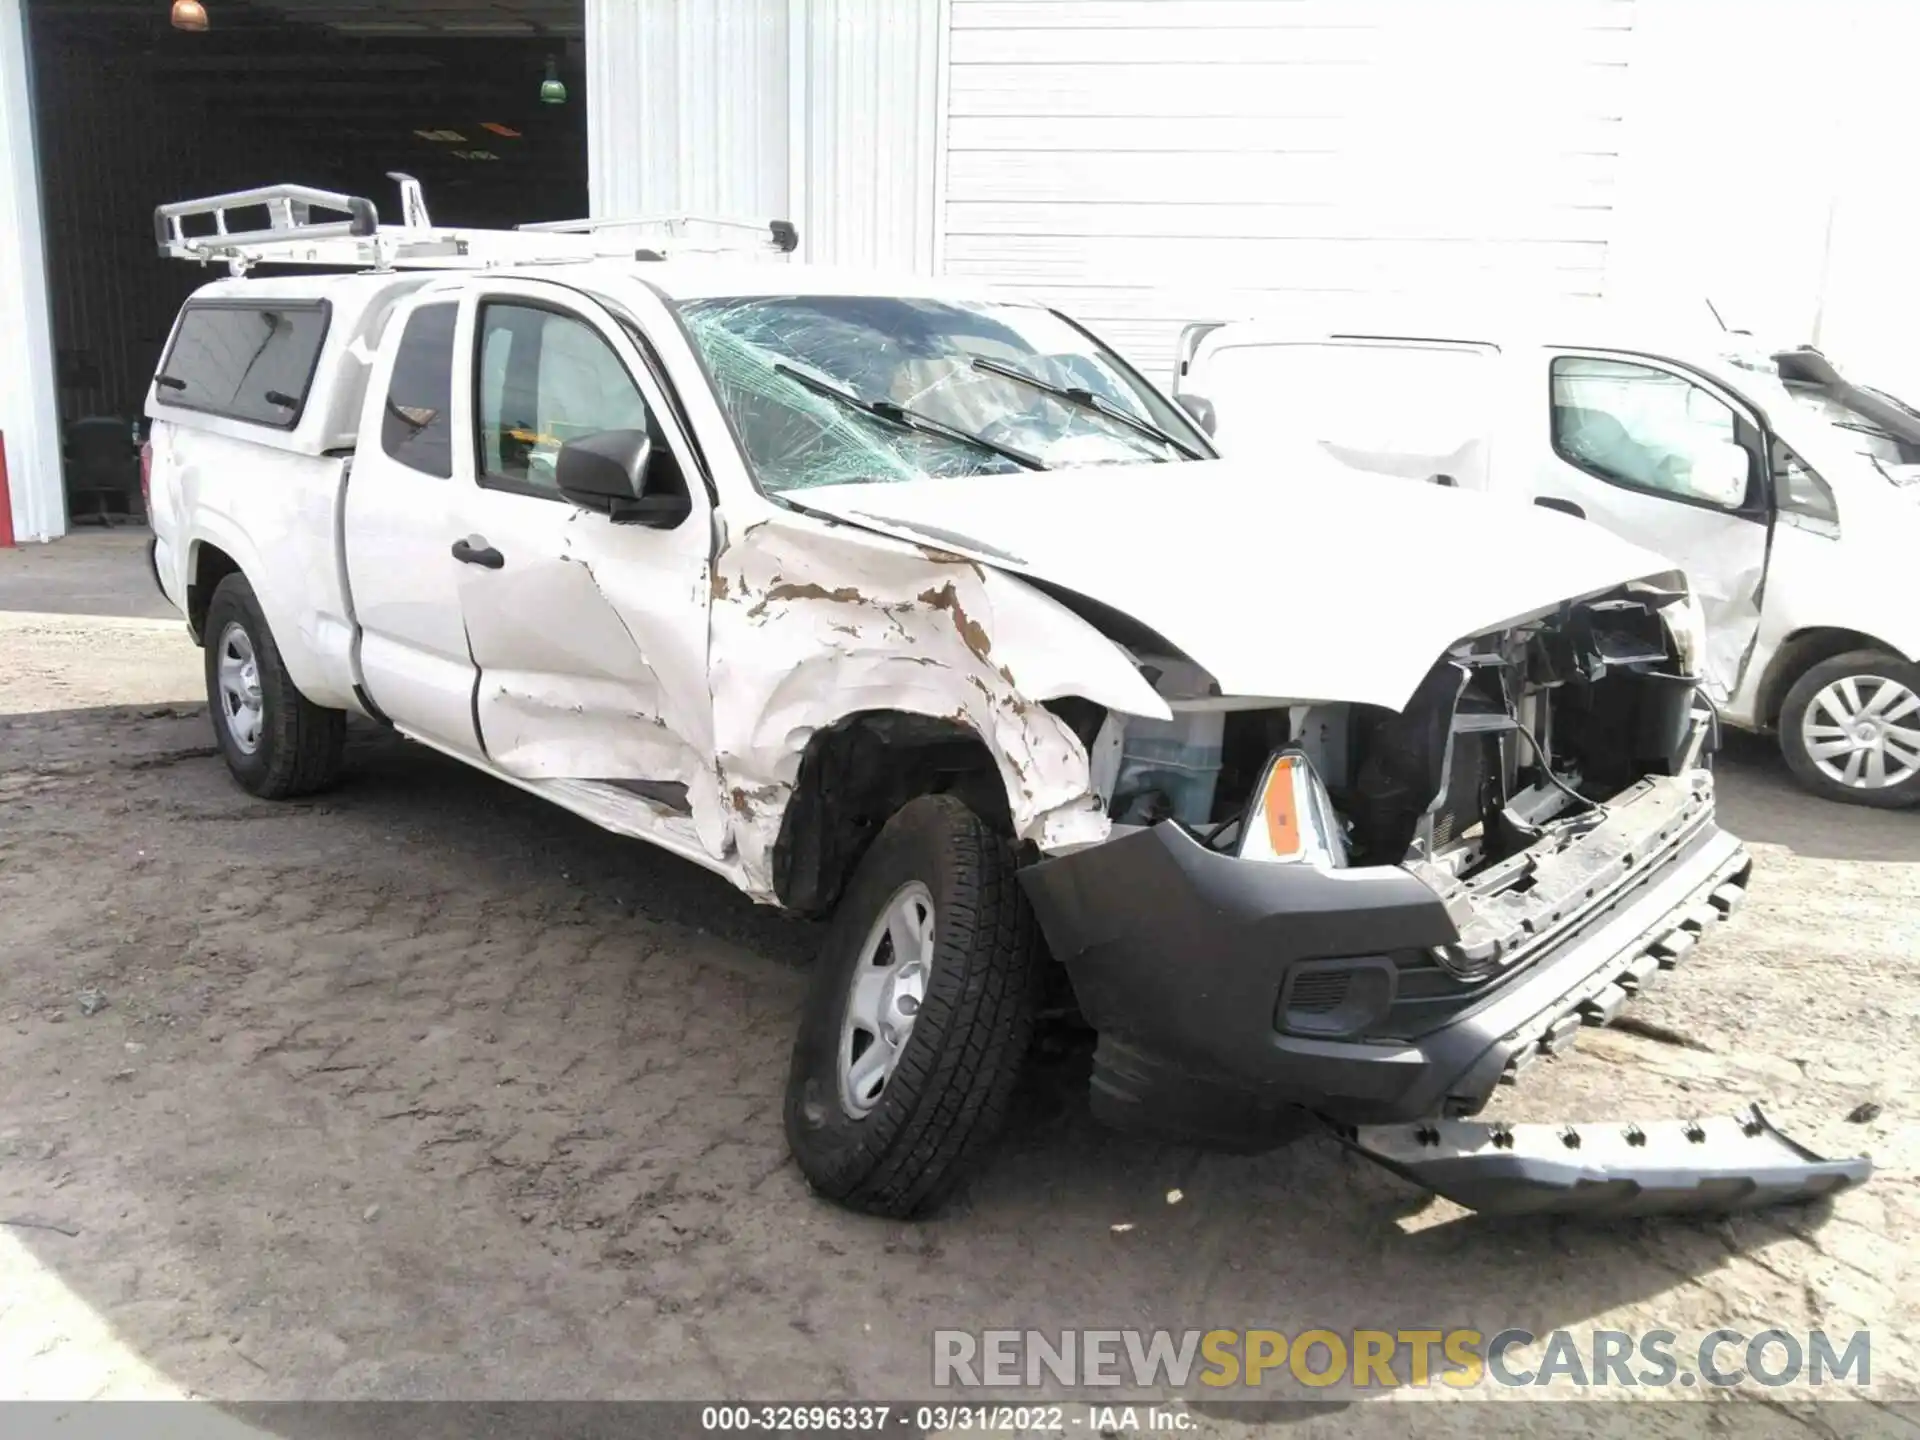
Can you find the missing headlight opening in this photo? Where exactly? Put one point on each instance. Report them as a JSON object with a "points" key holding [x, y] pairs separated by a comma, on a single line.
{"points": [[1512, 737]]}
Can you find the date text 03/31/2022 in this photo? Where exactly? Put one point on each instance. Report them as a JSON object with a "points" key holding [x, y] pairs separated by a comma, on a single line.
{"points": [[938, 1418]]}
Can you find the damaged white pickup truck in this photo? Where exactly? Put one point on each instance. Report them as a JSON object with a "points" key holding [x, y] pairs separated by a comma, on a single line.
{"points": [[923, 610]]}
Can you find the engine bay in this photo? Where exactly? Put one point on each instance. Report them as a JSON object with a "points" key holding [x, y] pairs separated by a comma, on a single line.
{"points": [[1512, 737]]}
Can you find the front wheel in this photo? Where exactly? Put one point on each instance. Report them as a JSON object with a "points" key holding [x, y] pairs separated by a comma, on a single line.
{"points": [[277, 743], [1850, 730], [919, 1018]]}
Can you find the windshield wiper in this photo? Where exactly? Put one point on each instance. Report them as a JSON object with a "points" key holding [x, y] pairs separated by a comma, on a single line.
{"points": [[909, 419], [1087, 400]]}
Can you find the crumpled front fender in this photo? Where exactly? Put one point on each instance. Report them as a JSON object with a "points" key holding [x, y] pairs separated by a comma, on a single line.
{"points": [[812, 623]]}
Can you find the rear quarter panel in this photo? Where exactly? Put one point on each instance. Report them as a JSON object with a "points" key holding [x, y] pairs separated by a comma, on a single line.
{"points": [[276, 514]]}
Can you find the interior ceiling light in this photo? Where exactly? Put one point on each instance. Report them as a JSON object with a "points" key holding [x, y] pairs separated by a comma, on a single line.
{"points": [[504, 131], [552, 91], [189, 15], [448, 137]]}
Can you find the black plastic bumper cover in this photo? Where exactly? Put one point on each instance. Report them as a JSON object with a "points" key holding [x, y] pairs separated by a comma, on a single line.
{"points": [[1179, 954], [1681, 1166]]}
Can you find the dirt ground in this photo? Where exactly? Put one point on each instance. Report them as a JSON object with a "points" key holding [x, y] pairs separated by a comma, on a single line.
{"points": [[426, 1089]]}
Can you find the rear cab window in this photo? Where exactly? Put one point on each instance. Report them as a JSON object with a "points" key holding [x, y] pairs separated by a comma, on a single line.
{"points": [[248, 360]]}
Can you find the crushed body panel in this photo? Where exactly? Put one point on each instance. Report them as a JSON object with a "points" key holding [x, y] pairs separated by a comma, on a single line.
{"points": [[1220, 562], [813, 624]]}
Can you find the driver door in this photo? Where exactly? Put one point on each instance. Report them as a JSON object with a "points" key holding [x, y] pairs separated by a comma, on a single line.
{"points": [[589, 636], [1672, 463]]}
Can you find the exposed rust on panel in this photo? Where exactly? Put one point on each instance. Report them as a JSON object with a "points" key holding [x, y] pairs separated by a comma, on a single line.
{"points": [[806, 590], [972, 633]]}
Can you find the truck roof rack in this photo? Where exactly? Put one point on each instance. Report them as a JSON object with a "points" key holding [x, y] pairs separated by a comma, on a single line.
{"points": [[304, 226]]}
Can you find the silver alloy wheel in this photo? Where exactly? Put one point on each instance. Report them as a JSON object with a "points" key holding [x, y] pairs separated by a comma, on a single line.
{"points": [[889, 986], [1863, 731], [242, 708]]}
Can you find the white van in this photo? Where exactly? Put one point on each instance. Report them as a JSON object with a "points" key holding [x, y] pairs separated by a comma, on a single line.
{"points": [[1786, 491]]}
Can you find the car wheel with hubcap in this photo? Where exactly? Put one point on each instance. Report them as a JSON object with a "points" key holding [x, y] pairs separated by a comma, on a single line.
{"points": [[919, 1018], [276, 742], [1850, 729]]}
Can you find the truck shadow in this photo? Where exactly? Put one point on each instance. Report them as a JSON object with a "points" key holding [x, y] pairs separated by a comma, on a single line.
{"points": [[425, 1088]]}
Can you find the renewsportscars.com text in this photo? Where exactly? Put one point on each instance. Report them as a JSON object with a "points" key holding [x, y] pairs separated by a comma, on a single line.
{"points": [[1389, 1359]]}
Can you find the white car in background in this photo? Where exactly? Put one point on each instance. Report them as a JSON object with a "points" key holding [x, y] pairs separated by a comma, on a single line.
{"points": [[1787, 492]]}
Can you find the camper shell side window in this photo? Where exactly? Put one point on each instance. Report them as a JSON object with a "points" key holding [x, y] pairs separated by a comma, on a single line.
{"points": [[248, 360]]}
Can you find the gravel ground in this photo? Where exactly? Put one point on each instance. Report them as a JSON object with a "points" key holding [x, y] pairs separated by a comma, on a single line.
{"points": [[426, 1089]]}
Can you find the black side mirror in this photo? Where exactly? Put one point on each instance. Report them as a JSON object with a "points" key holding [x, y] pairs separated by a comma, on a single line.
{"points": [[614, 473], [1201, 409]]}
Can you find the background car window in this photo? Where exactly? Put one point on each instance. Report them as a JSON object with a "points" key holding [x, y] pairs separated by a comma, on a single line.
{"points": [[545, 379], [1799, 490], [417, 429], [1649, 429]]}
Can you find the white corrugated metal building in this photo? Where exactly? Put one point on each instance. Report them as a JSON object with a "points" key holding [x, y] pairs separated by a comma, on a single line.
{"points": [[1148, 162]]}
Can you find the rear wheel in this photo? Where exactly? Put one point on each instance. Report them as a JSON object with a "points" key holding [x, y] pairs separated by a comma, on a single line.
{"points": [[920, 1015], [1850, 729], [277, 743]]}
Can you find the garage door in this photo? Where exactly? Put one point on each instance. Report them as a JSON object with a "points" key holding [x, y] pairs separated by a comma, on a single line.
{"points": [[1143, 163]]}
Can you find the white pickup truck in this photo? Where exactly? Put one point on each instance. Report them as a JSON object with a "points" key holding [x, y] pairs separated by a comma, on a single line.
{"points": [[899, 603]]}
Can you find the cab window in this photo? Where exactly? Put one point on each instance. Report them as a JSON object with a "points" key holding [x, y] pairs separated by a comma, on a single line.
{"points": [[544, 379], [1651, 430], [417, 428]]}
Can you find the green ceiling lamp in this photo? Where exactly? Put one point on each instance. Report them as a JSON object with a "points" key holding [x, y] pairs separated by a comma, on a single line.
{"points": [[553, 90]]}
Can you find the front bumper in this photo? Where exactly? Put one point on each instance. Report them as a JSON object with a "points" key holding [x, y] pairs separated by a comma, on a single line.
{"points": [[1181, 958]]}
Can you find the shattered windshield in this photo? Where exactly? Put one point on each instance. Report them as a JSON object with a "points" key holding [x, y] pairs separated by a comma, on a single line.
{"points": [[1896, 458], [846, 389]]}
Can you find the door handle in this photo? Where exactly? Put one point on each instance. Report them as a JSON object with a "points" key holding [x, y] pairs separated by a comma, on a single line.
{"points": [[1565, 507], [474, 550]]}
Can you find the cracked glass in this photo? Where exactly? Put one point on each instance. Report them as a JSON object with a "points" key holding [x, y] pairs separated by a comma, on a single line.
{"points": [[916, 355]]}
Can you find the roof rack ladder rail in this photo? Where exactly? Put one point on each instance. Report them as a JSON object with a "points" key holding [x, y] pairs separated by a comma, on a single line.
{"points": [[289, 215], [779, 235]]}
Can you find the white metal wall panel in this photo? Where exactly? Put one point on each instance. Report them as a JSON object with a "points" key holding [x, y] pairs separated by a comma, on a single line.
{"points": [[1148, 162], [29, 413], [819, 111], [869, 118], [687, 106]]}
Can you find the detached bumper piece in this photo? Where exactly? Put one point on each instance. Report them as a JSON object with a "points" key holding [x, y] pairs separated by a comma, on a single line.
{"points": [[1700, 1167]]}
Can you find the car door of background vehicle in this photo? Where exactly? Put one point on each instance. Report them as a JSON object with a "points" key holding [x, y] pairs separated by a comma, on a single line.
{"points": [[412, 655], [1632, 445], [1411, 409], [590, 636]]}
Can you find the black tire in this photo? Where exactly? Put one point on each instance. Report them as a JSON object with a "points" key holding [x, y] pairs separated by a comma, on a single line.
{"points": [[299, 743], [946, 1100], [1865, 666]]}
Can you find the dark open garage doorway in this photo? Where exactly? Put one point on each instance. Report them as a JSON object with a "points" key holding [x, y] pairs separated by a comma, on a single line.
{"points": [[131, 111]]}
